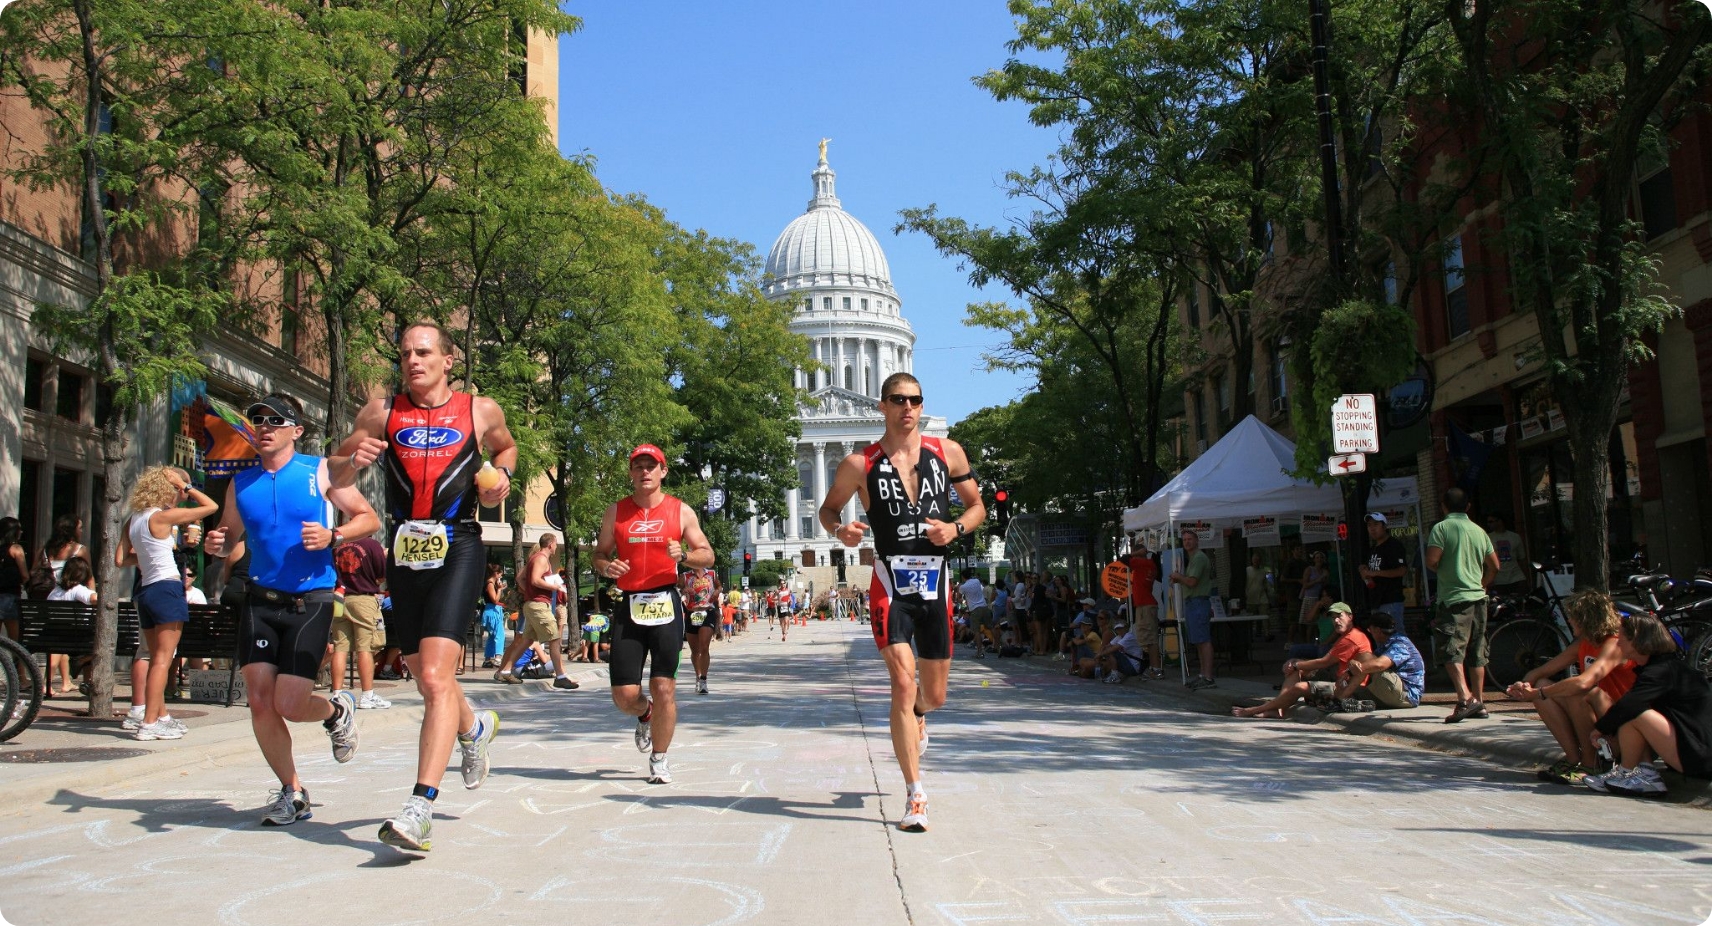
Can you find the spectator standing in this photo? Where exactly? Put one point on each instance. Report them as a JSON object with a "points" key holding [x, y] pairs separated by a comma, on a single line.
{"points": [[1570, 708], [538, 583], [361, 565], [1513, 571], [1384, 570], [493, 616], [13, 567], [1461, 554], [1001, 609], [1197, 581], [1257, 590], [980, 613], [1143, 605], [1312, 582], [1668, 712]]}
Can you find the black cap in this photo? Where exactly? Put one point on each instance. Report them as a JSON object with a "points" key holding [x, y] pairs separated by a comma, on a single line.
{"points": [[274, 405]]}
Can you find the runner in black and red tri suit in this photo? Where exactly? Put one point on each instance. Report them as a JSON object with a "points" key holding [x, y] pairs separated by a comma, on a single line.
{"points": [[429, 440], [644, 538], [906, 483]]}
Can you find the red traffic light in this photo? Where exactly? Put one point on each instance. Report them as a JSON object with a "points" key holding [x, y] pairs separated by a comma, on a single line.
{"points": [[1342, 531], [1001, 496], [748, 557]]}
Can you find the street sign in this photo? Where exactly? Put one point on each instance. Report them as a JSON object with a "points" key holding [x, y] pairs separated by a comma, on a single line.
{"points": [[1355, 424], [715, 500], [1347, 464]]}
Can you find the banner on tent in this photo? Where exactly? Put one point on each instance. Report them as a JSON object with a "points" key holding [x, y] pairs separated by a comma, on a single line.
{"points": [[1261, 532], [1319, 528], [1211, 538]]}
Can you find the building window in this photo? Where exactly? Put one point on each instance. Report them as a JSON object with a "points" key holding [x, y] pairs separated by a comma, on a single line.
{"points": [[1194, 305], [1456, 293], [850, 379], [1658, 200], [779, 554], [864, 305], [806, 528], [69, 405], [34, 371], [805, 481], [1280, 379], [1223, 391], [846, 303], [1200, 419], [826, 303], [778, 528]]}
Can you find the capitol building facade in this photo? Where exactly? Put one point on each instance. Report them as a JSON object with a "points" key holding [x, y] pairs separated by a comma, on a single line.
{"points": [[831, 268]]}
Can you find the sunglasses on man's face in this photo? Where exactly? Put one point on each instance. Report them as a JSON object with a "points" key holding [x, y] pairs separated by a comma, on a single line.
{"points": [[271, 421], [900, 399]]}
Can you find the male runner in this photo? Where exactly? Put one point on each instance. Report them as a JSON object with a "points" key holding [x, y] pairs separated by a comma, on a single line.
{"points": [[700, 594], [905, 482], [642, 540], [538, 583], [284, 509], [429, 439], [362, 573]]}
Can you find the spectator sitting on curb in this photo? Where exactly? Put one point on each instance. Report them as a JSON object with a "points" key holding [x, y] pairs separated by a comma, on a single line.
{"points": [[1122, 657], [1393, 676], [1068, 636], [1570, 708], [1084, 643], [1298, 673], [1668, 713]]}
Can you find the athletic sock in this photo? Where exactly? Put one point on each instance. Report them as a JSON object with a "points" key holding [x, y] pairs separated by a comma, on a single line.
{"points": [[916, 790], [647, 715], [338, 712], [656, 756], [562, 675], [475, 731]]}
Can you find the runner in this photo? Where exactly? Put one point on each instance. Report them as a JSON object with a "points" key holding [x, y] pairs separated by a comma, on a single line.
{"points": [[283, 516], [700, 599], [905, 482], [539, 585], [429, 439], [642, 540]]}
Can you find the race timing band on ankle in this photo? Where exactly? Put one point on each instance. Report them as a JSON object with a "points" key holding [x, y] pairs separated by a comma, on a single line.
{"points": [[426, 791]]}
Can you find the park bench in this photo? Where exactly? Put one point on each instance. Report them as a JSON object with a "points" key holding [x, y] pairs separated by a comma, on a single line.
{"points": [[68, 627]]}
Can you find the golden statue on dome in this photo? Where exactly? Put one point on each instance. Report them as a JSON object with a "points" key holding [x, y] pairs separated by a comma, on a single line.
{"points": [[823, 149]]}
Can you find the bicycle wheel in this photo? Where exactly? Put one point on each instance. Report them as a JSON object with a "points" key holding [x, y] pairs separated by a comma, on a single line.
{"points": [[1519, 647], [29, 685], [1700, 653], [10, 690]]}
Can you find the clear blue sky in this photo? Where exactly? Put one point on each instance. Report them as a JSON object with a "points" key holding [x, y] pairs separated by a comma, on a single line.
{"points": [[713, 111]]}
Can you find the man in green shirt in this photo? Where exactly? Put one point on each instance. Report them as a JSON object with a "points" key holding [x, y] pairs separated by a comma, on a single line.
{"points": [[1197, 581], [1461, 554]]}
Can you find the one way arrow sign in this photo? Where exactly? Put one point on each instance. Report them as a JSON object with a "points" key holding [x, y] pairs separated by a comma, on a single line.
{"points": [[1347, 464]]}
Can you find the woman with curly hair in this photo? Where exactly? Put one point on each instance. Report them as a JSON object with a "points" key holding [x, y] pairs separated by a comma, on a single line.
{"points": [[1570, 708], [148, 543]]}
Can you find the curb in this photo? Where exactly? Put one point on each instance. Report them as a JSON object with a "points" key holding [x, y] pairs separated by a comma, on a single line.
{"points": [[217, 745]]}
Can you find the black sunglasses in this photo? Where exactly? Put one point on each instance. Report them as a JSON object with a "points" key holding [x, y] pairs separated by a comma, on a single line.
{"points": [[272, 421], [900, 399]]}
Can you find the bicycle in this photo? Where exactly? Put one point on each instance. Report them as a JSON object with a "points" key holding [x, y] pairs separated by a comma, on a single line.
{"points": [[1518, 645], [22, 699]]}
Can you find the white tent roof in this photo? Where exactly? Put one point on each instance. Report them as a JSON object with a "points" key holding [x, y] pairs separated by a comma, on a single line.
{"points": [[1246, 475]]}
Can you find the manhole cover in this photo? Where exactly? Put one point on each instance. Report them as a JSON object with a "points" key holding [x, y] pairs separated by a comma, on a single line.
{"points": [[75, 754]]}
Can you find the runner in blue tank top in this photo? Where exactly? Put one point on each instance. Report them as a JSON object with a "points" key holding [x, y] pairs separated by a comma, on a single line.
{"points": [[284, 509]]}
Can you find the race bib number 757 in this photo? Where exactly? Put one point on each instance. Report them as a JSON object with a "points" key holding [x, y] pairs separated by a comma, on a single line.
{"points": [[652, 609]]}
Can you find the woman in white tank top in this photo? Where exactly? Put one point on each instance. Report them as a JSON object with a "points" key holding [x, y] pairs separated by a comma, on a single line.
{"points": [[149, 541]]}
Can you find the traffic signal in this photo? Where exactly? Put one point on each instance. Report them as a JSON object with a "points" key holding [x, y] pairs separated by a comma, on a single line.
{"points": [[1002, 507], [748, 561]]}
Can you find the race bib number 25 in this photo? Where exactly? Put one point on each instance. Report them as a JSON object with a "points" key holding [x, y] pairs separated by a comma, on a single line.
{"points": [[917, 575]]}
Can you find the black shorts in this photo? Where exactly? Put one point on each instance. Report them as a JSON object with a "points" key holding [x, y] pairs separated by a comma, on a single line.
{"points": [[632, 643], [276, 633], [437, 602], [911, 619], [703, 619]]}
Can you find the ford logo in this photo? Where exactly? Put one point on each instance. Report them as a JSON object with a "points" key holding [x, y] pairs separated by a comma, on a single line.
{"points": [[427, 438]]}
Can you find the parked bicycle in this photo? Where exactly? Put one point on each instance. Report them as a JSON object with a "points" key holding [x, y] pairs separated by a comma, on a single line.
{"points": [[25, 687], [1525, 632]]}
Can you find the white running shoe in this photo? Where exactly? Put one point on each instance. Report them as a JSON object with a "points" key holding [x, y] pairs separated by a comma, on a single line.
{"points": [[475, 748], [659, 773], [342, 726], [1641, 781], [701, 685], [373, 702], [287, 806], [134, 717], [410, 829], [915, 819], [644, 731], [159, 730], [174, 723]]}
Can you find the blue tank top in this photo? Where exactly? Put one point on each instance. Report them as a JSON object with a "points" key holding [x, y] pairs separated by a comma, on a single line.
{"points": [[274, 507]]}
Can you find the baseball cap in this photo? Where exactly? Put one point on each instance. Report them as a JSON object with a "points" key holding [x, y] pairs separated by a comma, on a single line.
{"points": [[273, 405], [1338, 607], [1377, 516], [1087, 601], [648, 450]]}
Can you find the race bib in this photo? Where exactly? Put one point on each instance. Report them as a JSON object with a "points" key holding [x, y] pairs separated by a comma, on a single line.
{"points": [[917, 575], [699, 619], [651, 609], [420, 544]]}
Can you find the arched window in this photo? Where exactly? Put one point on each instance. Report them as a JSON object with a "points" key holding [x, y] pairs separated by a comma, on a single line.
{"points": [[805, 478], [849, 379], [868, 381]]}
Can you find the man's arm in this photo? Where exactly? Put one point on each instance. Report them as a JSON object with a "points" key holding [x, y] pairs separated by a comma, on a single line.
{"points": [[500, 446], [845, 483], [698, 552], [365, 445], [362, 519], [230, 533], [943, 533], [1489, 569], [1434, 554]]}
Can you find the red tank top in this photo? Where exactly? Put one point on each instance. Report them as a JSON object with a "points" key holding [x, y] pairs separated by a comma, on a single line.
{"points": [[431, 460], [642, 534], [533, 592], [1616, 682]]}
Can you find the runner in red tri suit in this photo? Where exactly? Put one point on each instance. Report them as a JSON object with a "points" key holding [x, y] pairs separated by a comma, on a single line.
{"points": [[429, 440], [643, 539], [906, 482]]}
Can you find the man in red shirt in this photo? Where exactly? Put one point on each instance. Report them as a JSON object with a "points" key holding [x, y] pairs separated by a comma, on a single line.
{"points": [[1143, 607], [1347, 643]]}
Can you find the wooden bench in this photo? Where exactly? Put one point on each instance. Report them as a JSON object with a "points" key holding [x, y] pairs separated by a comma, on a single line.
{"points": [[211, 633], [68, 627]]}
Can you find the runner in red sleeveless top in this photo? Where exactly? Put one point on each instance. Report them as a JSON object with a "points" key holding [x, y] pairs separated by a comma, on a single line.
{"points": [[429, 440], [643, 540], [905, 482], [699, 587]]}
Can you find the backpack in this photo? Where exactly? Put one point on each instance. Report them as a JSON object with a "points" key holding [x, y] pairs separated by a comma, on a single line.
{"points": [[40, 583]]}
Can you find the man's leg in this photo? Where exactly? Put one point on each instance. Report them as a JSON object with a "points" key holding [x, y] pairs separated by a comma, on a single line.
{"points": [[272, 735], [1458, 681], [1205, 652], [906, 697], [339, 659], [701, 639], [1295, 689], [664, 722], [446, 712], [365, 669]]}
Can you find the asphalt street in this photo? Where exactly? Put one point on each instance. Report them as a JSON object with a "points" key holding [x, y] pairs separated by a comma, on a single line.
{"points": [[1052, 800]]}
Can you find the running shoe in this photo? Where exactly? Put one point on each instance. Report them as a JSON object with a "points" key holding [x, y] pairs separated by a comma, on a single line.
{"points": [[980, 654], [159, 730], [174, 723], [659, 773], [1597, 782], [411, 828], [645, 732], [1155, 674], [287, 806], [373, 702], [701, 685], [566, 683], [133, 718], [1199, 682], [1640, 781], [342, 726], [915, 819], [475, 748]]}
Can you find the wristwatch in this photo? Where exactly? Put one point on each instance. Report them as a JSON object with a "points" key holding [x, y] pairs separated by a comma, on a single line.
{"points": [[338, 538], [960, 528], [504, 469]]}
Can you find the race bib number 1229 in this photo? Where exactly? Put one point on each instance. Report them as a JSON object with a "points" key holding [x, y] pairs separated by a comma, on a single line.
{"points": [[420, 545]]}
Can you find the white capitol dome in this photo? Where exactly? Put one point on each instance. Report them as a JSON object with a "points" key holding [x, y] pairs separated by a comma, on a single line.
{"points": [[827, 246]]}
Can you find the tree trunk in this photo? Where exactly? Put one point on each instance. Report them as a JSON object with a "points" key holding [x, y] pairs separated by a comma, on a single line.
{"points": [[337, 386], [1590, 426]]}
